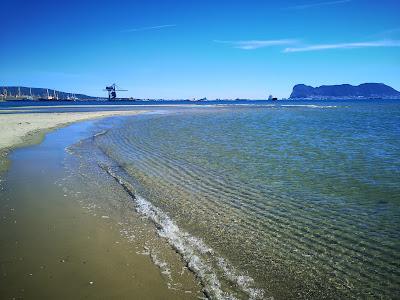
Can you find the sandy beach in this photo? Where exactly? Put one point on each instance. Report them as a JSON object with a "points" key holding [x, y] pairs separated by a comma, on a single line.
{"points": [[60, 238], [22, 129], [225, 202], [18, 128]]}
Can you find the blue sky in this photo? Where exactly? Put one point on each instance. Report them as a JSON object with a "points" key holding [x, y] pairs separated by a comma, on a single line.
{"points": [[186, 49]]}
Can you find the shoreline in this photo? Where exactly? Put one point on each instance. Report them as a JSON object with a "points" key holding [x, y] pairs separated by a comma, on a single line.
{"points": [[26, 129], [56, 225], [173, 269]]}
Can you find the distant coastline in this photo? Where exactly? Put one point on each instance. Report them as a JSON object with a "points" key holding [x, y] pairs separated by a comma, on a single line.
{"points": [[10, 93], [365, 91]]}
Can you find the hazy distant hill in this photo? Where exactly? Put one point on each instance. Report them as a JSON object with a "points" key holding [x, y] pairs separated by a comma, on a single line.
{"points": [[365, 90], [40, 92]]}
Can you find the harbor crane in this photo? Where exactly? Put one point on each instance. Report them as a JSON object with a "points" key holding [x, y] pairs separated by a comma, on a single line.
{"points": [[112, 91]]}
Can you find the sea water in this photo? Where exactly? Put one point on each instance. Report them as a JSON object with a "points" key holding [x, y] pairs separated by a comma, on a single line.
{"points": [[284, 201]]}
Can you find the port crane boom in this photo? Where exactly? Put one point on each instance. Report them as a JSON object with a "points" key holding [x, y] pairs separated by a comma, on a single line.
{"points": [[112, 91]]}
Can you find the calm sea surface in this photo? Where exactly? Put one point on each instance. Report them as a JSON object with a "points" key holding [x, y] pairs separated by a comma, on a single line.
{"points": [[288, 200]]}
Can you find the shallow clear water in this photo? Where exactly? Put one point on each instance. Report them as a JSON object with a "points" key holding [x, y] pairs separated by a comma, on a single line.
{"points": [[289, 201]]}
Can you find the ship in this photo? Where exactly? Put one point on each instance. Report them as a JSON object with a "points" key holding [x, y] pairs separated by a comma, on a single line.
{"points": [[48, 96], [271, 98]]}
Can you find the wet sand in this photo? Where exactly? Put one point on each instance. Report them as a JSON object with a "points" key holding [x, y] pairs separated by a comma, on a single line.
{"points": [[60, 241]]}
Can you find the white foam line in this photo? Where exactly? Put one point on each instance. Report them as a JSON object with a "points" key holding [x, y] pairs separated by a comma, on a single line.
{"points": [[191, 248], [309, 105], [176, 238]]}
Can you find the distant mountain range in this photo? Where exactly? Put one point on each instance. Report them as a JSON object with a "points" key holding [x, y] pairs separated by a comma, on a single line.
{"points": [[362, 91], [25, 92]]}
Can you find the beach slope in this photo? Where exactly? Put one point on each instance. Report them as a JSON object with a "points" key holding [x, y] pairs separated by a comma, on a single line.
{"points": [[21, 129]]}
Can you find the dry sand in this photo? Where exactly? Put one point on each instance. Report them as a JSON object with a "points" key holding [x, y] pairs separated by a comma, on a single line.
{"points": [[21, 129]]}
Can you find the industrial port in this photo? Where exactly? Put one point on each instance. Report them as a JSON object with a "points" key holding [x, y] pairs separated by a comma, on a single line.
{"points": [[39, 94]]}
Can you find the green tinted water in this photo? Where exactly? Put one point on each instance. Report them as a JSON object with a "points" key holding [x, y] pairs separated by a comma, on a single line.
{"points": [[283, 201]]}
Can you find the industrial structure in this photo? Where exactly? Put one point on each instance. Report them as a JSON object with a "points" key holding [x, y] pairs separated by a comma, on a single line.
{"points": [[112, 91], [11, 93]]}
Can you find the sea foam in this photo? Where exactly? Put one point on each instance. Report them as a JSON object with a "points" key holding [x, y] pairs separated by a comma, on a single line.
{"points": [[200, 258]]}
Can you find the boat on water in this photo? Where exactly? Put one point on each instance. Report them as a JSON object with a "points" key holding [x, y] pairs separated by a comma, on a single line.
{"points": [[271, 98]]}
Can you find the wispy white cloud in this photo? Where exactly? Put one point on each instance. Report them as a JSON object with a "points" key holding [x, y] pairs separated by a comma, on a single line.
{"points": [[255, 44], [392, 31], [149, 28], [317, 4], [388, 34], [319, 47]]}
